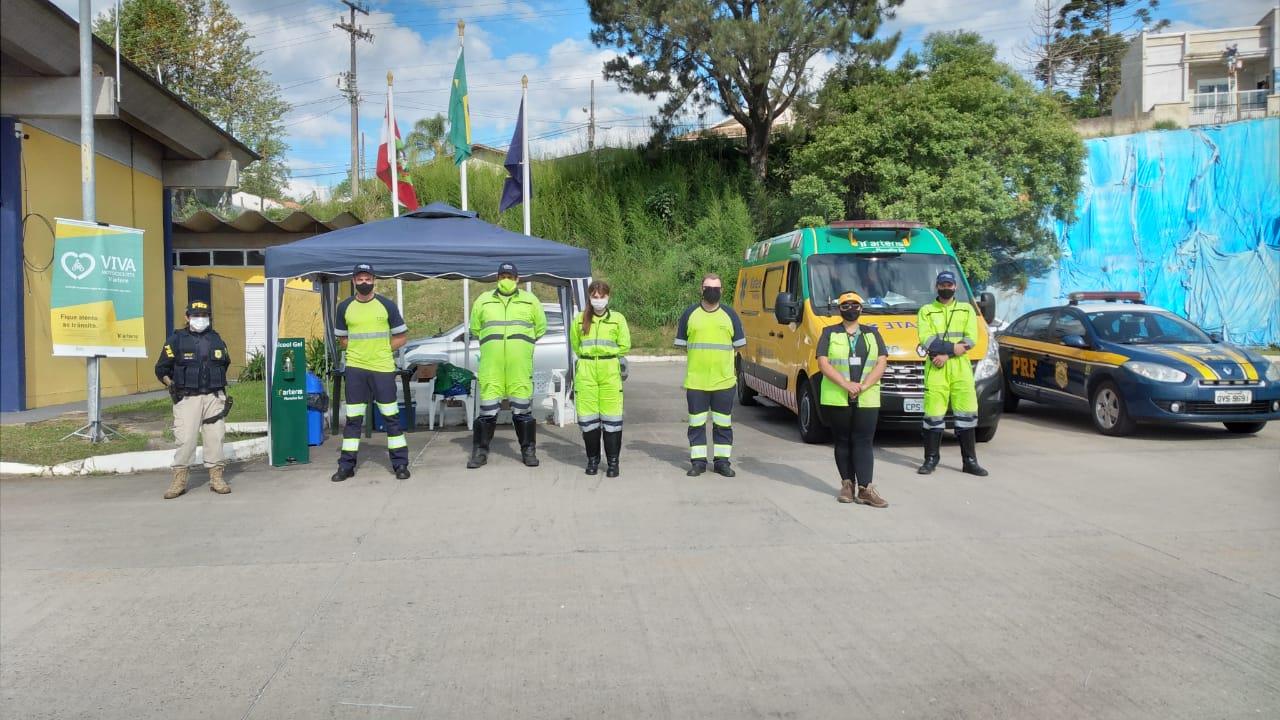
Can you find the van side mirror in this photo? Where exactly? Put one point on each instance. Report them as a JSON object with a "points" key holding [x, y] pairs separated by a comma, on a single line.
{"points": [[987, 305], [1215, 336], [786, 309], [1075, 341]]}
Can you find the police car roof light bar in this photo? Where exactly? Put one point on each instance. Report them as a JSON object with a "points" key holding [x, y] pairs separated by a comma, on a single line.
{"points": [[1076, 298], [876, 224]]}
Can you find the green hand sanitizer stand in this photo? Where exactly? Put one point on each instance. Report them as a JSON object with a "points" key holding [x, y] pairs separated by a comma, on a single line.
{"points": [[289, 404]]}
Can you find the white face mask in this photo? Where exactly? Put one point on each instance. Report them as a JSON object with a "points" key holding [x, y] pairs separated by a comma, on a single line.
{"points": [[199, 324], [599, 304]]}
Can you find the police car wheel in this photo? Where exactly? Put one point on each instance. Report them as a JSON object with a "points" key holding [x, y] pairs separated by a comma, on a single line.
{"points": [[811, 428], [1245, 428], [985, 432], [1110, 416]]}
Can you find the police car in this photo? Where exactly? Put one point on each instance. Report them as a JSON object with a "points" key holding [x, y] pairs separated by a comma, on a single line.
{"points": [[1126, 362]]}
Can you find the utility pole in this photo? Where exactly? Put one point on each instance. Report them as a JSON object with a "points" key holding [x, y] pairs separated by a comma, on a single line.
{"points": [[591, 120], [362, 156], [351, 88]]}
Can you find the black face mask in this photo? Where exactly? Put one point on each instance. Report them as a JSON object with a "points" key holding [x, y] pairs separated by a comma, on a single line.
{"points": [[365, 288], [851, 315], [946, 293], [711, 294]]}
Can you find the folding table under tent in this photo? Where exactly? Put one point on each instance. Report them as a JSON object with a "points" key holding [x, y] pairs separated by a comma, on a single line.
{"points": [[438, 241]]}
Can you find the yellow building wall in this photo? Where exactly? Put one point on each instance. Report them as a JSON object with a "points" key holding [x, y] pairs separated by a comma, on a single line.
{"points": [[300, 314], [51, 189], [226, 295]]}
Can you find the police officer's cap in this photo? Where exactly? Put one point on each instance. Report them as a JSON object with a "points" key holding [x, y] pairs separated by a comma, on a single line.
{"points": [[197, 307], [362, 268], [508, 267], [946, 276]]}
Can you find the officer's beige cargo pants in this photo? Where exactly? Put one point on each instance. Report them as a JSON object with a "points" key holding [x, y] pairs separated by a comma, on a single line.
{"points": [[188, 424]]}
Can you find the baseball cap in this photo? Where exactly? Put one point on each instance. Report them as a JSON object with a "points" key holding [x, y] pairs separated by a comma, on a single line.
{"points": [[946, 276], [362, 268], [197, 307], [508, 267], [849, 297]]}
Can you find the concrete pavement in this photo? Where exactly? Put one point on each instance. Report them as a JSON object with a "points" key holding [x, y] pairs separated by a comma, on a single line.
{"points": [[1088, 577]]}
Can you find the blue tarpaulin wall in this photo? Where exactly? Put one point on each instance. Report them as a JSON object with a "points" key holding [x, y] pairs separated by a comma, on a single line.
{"points": [[1189, 217]]}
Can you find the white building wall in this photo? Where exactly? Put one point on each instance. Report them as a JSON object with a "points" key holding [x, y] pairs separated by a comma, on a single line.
{"points": [[1163, 71], [1130, 94]]}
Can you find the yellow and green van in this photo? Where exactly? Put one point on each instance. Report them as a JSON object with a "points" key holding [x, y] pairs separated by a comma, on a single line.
{"points": [[786, 296]]}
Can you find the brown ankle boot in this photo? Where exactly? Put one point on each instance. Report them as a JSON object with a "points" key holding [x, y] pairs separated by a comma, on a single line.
{"points": [[869, 496], [179, 484], [216, 483], [846, 491]]}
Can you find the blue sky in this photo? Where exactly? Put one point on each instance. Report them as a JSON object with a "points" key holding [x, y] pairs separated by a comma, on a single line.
{"points": [[547, 39]]}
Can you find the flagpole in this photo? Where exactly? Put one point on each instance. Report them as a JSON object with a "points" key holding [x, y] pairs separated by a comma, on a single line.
{"points": [[466, 283], [524, 161], [393, 156]]}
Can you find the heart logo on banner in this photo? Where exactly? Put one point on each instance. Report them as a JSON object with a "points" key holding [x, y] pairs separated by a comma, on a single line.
{"points": [[77, 265]]}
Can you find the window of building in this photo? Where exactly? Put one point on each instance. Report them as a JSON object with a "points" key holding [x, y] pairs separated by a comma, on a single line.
{"points": [[193, 258]]}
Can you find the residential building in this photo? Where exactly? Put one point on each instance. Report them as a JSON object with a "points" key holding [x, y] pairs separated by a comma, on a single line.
{"points": [[1202, 77]]}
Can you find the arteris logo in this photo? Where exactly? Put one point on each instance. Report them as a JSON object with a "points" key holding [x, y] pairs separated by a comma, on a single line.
{"points": [[78, 265]]}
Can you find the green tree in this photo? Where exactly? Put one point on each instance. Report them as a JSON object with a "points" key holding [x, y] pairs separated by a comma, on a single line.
{"points": [[1088, 43], [959, 141], [200, 50], [746, 57], [426, 141]]}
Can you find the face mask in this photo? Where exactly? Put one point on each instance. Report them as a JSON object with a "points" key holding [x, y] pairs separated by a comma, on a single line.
{"points": [[946, 293], [850, 315], [506, 286], [199, 324], [365, 288], [599, 304], [711, 294]]}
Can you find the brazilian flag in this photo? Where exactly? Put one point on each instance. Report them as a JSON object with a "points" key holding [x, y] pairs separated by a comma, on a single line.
{"points": [[459, 114]]}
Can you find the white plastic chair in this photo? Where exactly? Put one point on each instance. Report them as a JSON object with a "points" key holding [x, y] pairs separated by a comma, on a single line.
{"points": [[437, 405], [555, 387]]}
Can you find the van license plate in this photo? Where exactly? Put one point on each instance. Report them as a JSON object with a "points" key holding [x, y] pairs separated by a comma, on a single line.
{"points": [[1232, 397], [916, 405]]}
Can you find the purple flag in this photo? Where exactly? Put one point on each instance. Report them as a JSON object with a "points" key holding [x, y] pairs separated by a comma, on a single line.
{"points": [[513, 188]]}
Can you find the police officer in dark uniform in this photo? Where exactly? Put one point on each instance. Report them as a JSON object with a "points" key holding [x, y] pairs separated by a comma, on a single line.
{"points": [[193, 365]]}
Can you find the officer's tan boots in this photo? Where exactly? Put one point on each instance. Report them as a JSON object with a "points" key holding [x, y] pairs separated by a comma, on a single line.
{"points": [[868, 495], [179, 484], [216, 483]]}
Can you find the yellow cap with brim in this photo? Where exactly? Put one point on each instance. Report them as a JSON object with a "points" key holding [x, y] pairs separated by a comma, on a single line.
{"points": [[849, 297]]}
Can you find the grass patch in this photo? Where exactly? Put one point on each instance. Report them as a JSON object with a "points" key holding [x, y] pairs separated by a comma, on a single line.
{"points": [[42, 444], [250, 405]]}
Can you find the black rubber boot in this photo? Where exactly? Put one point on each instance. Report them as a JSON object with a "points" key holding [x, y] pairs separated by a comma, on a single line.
{"points": [[932, 452], [591, 440], [342, 475], [612, 449], [969, 452], [481, 433], [527, 435], [696, 468]]}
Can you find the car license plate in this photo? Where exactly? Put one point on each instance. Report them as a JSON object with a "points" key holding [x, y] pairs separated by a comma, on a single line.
{"points": [[913, 405], [1232, 397]]}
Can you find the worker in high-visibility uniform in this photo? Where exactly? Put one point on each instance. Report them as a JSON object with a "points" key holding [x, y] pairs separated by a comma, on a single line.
{"points": [[948, 330], [600, 338], [508, 322], [712, 335], [369, 327], [846, 351]]}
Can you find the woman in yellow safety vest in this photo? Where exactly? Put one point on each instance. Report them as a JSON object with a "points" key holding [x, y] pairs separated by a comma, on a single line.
{"points": [[846, 351], [599, 337]]}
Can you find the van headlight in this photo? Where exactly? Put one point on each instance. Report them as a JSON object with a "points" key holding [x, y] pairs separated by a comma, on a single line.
{"points": [[989, 365], [1156, 371]]}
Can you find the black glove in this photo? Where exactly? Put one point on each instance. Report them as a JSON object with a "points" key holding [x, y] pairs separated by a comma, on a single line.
{"points": [[174, 394]]}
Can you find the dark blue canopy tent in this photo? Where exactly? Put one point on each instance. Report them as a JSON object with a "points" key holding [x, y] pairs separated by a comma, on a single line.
{"points": [[437, 241]]}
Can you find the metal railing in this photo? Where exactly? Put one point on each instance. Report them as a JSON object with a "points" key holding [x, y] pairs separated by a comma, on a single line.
{"points": [[1220, 107]]}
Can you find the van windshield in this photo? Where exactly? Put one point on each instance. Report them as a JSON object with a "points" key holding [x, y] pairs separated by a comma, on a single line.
{"points": [[889, 284]]}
